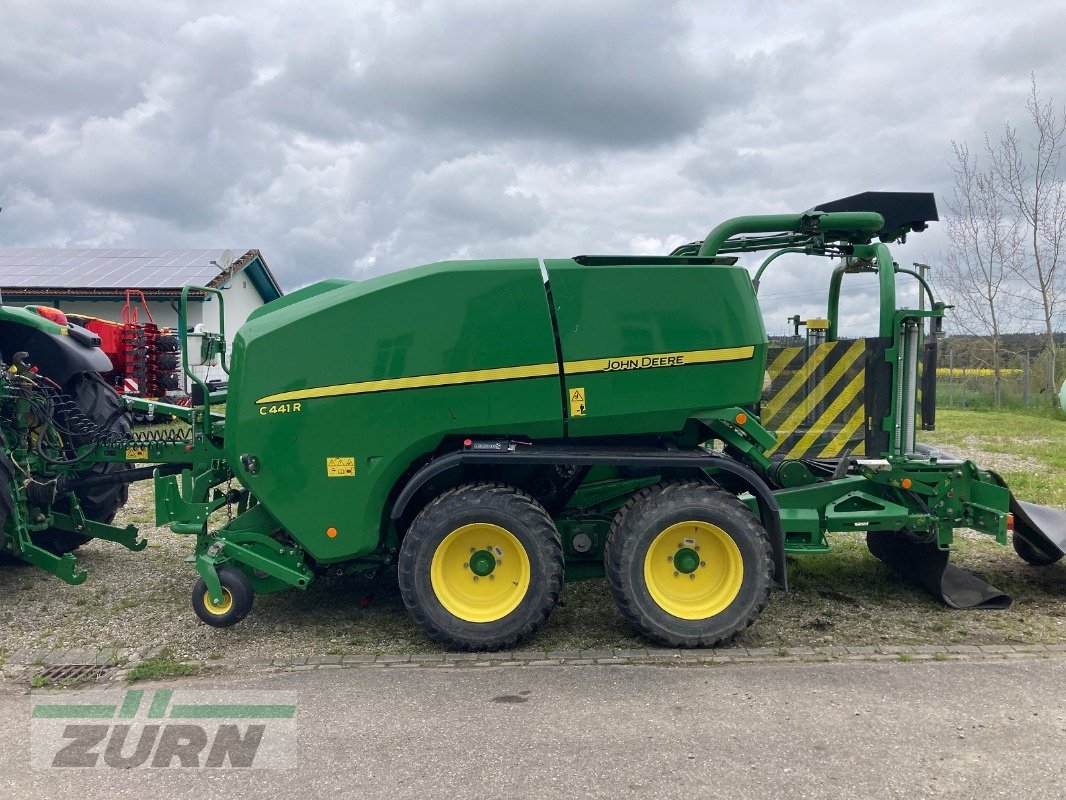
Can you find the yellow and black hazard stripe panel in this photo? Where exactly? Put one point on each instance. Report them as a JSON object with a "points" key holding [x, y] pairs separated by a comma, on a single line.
{"points": [[815, 400]]}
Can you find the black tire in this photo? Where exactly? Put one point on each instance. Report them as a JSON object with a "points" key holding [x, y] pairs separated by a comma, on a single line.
{"points": [[435, 540], [99, 402], [717, 518], [238, 599], [167, 361], [167, 343], [1030, 554], [7, 505]]}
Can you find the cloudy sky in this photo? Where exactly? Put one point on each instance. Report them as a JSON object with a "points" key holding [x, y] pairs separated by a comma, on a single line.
{"points": [[352, 138]]}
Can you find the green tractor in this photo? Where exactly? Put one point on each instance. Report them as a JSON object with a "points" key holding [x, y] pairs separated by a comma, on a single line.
{"points": [[491, 429], [41, 524]]}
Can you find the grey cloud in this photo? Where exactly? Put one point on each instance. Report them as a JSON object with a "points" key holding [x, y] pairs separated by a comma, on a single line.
{"points": [[55, 62], [1034, 41], [474, 191], [348, 139], [608, 74]]}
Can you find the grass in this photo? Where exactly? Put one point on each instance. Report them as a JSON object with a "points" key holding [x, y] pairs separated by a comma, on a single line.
{"points": [[44, 682], [1034, 446], [161, 667]]}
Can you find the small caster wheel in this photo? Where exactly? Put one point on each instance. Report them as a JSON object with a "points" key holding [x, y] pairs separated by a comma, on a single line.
{"points": [[237, 598]]}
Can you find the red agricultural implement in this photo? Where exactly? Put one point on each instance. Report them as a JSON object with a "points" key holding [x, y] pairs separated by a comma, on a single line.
{"points": [[144, 357]]}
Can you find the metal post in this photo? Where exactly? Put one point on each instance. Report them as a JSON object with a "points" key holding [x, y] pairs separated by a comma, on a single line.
{"points": [[910, 389], [1025, 380], [897, 443], [1049, 381], [951, 377], [922, 269]]}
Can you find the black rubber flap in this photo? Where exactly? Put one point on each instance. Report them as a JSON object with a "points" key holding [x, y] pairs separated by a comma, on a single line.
{"points": [[928, 399], [925, 564], [1042, 527]]}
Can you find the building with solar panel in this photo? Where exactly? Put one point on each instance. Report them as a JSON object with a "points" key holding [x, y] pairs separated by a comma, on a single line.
{"points": [[93, 283]]}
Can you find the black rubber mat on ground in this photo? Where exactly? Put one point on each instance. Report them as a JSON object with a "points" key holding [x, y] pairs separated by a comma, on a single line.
{"points": [[1042, 527], [926, 565]]}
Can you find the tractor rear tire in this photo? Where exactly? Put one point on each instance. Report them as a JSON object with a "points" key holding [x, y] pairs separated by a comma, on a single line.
{"points": [[99, 402], [1030, 554], [7, 504], [688, 564], [481, 567], [237, 599]]}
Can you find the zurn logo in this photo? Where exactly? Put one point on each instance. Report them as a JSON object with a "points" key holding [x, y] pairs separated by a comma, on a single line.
{"points": [[164, 729]]}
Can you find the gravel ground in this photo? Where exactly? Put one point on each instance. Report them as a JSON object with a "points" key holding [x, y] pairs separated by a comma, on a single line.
{"points": [[999, 462], [139, 600]]}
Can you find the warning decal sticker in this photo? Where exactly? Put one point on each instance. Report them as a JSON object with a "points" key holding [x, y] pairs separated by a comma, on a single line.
{"points": [[577, 402], [340, 467]]}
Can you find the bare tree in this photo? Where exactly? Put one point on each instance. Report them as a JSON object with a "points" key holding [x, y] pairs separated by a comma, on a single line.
{"points": [[1029, 179], [986, 239]]}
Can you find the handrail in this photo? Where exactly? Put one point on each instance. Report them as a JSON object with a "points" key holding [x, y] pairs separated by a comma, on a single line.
{"points": [[183, 334], [922, 281], [766, 263]]}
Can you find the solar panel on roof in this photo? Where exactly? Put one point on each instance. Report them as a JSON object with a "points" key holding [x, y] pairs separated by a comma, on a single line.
{"points": [[107, 268]]}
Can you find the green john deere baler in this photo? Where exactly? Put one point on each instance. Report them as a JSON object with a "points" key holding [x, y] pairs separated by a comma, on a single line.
{"points": [[493, 428]]}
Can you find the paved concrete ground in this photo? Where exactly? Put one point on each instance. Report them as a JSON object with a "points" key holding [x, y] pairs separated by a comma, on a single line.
{"points": [[966, 729]]}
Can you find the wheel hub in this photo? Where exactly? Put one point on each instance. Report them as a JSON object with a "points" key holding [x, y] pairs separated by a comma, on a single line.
{"points": [[219, 608], [686, 560], [482, 563]]}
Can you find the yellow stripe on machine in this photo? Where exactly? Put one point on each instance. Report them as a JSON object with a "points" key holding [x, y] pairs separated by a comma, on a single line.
{"points": [[650, 360], [778, 401], [835, 409], [836, 447], [655, 360], [782, 360], [416, 382], [823, 389]]}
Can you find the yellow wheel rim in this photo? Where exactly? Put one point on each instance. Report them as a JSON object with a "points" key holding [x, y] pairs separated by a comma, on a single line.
{"points": [[220, 608], [693, 570], [480, 572]]}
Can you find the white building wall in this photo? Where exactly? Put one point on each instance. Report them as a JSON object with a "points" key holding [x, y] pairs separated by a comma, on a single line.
{"points": [[240, 299]]}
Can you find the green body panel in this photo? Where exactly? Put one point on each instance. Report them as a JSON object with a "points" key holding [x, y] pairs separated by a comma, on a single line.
{"points": [[428, 321], [625, 312], [299, 295], [31, 319], [305, 384]]}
